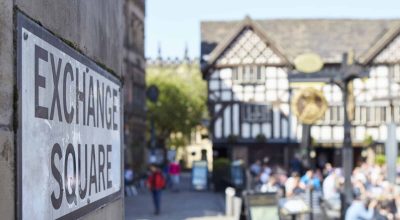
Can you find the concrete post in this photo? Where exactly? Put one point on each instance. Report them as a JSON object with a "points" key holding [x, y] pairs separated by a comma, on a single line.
{"points": [[229, 194]]}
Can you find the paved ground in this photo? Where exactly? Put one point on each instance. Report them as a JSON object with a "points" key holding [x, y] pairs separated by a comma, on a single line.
{"points": [[181, 205]]}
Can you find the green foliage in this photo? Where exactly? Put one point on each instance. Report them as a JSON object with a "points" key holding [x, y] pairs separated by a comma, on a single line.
{"points": [[368, 141], [260, 138], [232, 138], [181, 103], [380, 159], [221, 173]]}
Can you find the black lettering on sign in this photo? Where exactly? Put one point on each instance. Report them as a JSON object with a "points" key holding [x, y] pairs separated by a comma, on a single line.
{"points": [[40, 81], [91, 100], [71, 196], [80, 96], [93, 178], [102, 160], [82, 192], [56, 202], [56, 97], [109, 182], [69, 115], [100, 104], [115, 94], [109, 114]]}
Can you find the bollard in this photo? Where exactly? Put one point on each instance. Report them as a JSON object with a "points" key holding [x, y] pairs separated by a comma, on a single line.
{"points": [[229, 194], [237, 207]]}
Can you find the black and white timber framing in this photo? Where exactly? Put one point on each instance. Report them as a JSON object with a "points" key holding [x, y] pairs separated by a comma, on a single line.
{"points": [[246, 64]]}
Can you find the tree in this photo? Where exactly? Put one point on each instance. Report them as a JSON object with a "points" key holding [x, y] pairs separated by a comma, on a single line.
{"points": [[181, 103]]}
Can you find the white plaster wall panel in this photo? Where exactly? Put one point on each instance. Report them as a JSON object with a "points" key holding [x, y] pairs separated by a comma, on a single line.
{"points": [[382, 132], [235, 112], [299, 132], [218, 128], [256, 130], [226, 73], [227, 121], [360, 133], [214, 85], [316, 132], [214, 75], [246, 130], [338, 133], [398, 133], [259, 97], [337, 94], [248, 96], [271, 96], [226, 84], [266, 128], [326, 133], [259, 88], [294, 126], [285, 108], [226, 96], [382, 71], [218, 123], [276, 123], [284, 129], [373, 132], [390, 53]]}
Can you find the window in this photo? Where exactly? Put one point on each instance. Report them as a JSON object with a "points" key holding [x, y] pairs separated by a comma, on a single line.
{"points": [[256, 113], [396, 72], [249, 74]]}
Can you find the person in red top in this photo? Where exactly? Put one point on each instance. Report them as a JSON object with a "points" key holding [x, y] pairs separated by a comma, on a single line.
{"points": [[174, 172], [156, 182]]}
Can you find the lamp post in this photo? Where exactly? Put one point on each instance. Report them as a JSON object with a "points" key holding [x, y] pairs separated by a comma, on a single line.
{"points": [[347, 72], [152, 94]]}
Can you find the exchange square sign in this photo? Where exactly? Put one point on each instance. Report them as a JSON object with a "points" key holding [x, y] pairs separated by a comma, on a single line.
{"points": [[70, 122]]}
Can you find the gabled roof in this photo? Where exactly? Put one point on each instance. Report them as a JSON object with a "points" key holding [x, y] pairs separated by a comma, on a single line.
{"points": [[380, 45], [235, 32], [329, 38]]}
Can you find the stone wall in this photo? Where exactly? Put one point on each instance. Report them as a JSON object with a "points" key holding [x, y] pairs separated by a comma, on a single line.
{"points": [[97, 28]]}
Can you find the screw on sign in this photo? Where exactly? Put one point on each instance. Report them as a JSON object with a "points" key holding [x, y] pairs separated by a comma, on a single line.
{"points": [[309, 105]]}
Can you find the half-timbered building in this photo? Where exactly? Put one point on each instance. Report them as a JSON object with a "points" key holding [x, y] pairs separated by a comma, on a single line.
{"points": [[246, 64]]}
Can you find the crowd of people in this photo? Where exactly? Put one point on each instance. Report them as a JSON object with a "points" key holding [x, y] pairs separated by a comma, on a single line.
{"points": [[374, 196]]}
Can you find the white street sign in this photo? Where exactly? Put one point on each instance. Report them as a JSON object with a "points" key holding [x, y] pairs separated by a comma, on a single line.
{"points": [[69, 155]]}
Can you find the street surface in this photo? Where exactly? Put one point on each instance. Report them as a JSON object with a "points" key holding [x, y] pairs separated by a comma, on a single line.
{"points": [[183, 205]]}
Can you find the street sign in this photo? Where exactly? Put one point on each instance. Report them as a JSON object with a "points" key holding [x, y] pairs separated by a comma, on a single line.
{"points": [[309, 105], [308, 63], [69, 134]]}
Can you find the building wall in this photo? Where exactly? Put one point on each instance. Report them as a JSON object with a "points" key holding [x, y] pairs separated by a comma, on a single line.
{"points": [[134, 64], [96, 28]]}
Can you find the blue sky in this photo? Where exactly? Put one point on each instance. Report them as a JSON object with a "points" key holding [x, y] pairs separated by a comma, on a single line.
{"points": [[176, 23]]}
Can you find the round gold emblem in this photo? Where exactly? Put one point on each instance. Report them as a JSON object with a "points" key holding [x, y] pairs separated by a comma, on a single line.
{"points": [[309, 105]]}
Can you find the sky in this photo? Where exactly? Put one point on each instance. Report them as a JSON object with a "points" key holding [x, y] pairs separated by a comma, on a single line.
{"points": [[173, 25]]}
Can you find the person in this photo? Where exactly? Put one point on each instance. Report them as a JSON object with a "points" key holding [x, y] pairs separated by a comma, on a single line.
{"points": [[357, 208], [271, 186], [255, 168], [310, 180], [174, 172], [130, 189], [292, 185], [156, 182], [265, 173]]}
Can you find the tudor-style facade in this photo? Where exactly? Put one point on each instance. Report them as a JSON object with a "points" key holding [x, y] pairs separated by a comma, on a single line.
{"points": [[246, 65]]}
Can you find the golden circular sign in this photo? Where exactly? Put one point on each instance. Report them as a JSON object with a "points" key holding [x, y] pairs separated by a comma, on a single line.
{"points": [[308, 63], [309, 105]]}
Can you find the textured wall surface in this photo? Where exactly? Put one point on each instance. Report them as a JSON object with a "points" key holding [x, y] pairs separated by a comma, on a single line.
{"points": [[97, 28]]}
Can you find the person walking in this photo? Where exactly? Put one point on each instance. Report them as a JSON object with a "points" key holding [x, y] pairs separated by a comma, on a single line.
{"points": [[174, 172], [156, 182]]}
